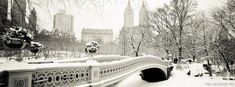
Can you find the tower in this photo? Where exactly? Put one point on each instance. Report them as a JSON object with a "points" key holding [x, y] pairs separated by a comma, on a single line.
{"points": [[18, 13], [63, 22], [128, 16], [33, 20], [3, 12], [143, 15]]}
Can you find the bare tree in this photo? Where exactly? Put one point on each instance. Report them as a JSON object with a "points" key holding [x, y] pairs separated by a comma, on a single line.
{"points": [[224, 19], [136, 43], [183, 10], [225, 16], [164, 23], [193, 43], [173, 19]]}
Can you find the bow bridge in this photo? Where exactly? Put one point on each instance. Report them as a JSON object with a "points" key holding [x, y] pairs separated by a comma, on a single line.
{"points": [[108, 71]]}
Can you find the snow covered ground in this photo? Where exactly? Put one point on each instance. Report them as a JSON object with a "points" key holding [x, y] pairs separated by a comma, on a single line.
{"points": [[2, 60], [179, 78]]}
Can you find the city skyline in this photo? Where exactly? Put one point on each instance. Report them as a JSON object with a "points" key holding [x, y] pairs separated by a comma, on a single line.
{"points": [[109, 16]]}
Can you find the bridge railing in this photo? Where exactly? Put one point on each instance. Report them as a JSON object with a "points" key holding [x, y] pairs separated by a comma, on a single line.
{"points": [[82, 60], [73, 74], [48, 75], [115, 68]]}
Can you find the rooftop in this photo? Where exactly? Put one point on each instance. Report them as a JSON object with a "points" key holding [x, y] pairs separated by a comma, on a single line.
{"points": [[96, 31]]}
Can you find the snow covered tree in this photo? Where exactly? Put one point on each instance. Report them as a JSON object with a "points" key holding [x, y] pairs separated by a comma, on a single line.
{"points": [[172, 20], [224, 19]]}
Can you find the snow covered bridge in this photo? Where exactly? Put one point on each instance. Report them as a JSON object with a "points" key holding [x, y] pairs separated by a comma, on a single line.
{"points": [[78, 73]]}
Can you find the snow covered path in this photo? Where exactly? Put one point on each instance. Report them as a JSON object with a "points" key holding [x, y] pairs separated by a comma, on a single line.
{"points": [[178, 79]]}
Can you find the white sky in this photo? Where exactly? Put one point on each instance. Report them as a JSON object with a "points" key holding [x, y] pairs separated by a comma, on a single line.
{"points": [[109, 15]]}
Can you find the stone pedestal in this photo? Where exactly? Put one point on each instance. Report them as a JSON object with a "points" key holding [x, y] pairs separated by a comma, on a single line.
{"points": [[23, 79], [94, 72]]}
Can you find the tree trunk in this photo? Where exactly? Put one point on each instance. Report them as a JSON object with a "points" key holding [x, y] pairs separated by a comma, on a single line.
{"points": [[124, 48], [138, 48], [194, 57], [205, 47], [225, 60], [136, 54], [180, 53], [180, 42]]}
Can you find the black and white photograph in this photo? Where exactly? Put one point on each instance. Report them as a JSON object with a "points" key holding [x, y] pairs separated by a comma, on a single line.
{"points": [[117, 43]]}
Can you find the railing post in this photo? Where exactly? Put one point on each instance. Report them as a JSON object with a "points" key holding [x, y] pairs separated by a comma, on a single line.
{"points": [[94, 73], [20, 79]]}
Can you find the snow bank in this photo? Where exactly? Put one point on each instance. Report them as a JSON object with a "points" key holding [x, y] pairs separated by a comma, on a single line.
{"points": [[179, 78]]}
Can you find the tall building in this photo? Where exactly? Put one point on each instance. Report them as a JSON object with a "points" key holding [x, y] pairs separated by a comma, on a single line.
{"points": [[129, 29], [99, 35], [143, 14], [18, 13], [63, 22], [3, 12], [128, 16], [33, 20]]}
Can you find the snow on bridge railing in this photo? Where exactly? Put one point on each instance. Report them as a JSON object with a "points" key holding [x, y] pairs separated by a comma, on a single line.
{"points": [[82, 60], [97, 58], [111, 69], [72, 74]]}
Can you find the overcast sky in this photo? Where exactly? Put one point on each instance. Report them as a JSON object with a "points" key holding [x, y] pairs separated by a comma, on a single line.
{"points": [[100, 14]]}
